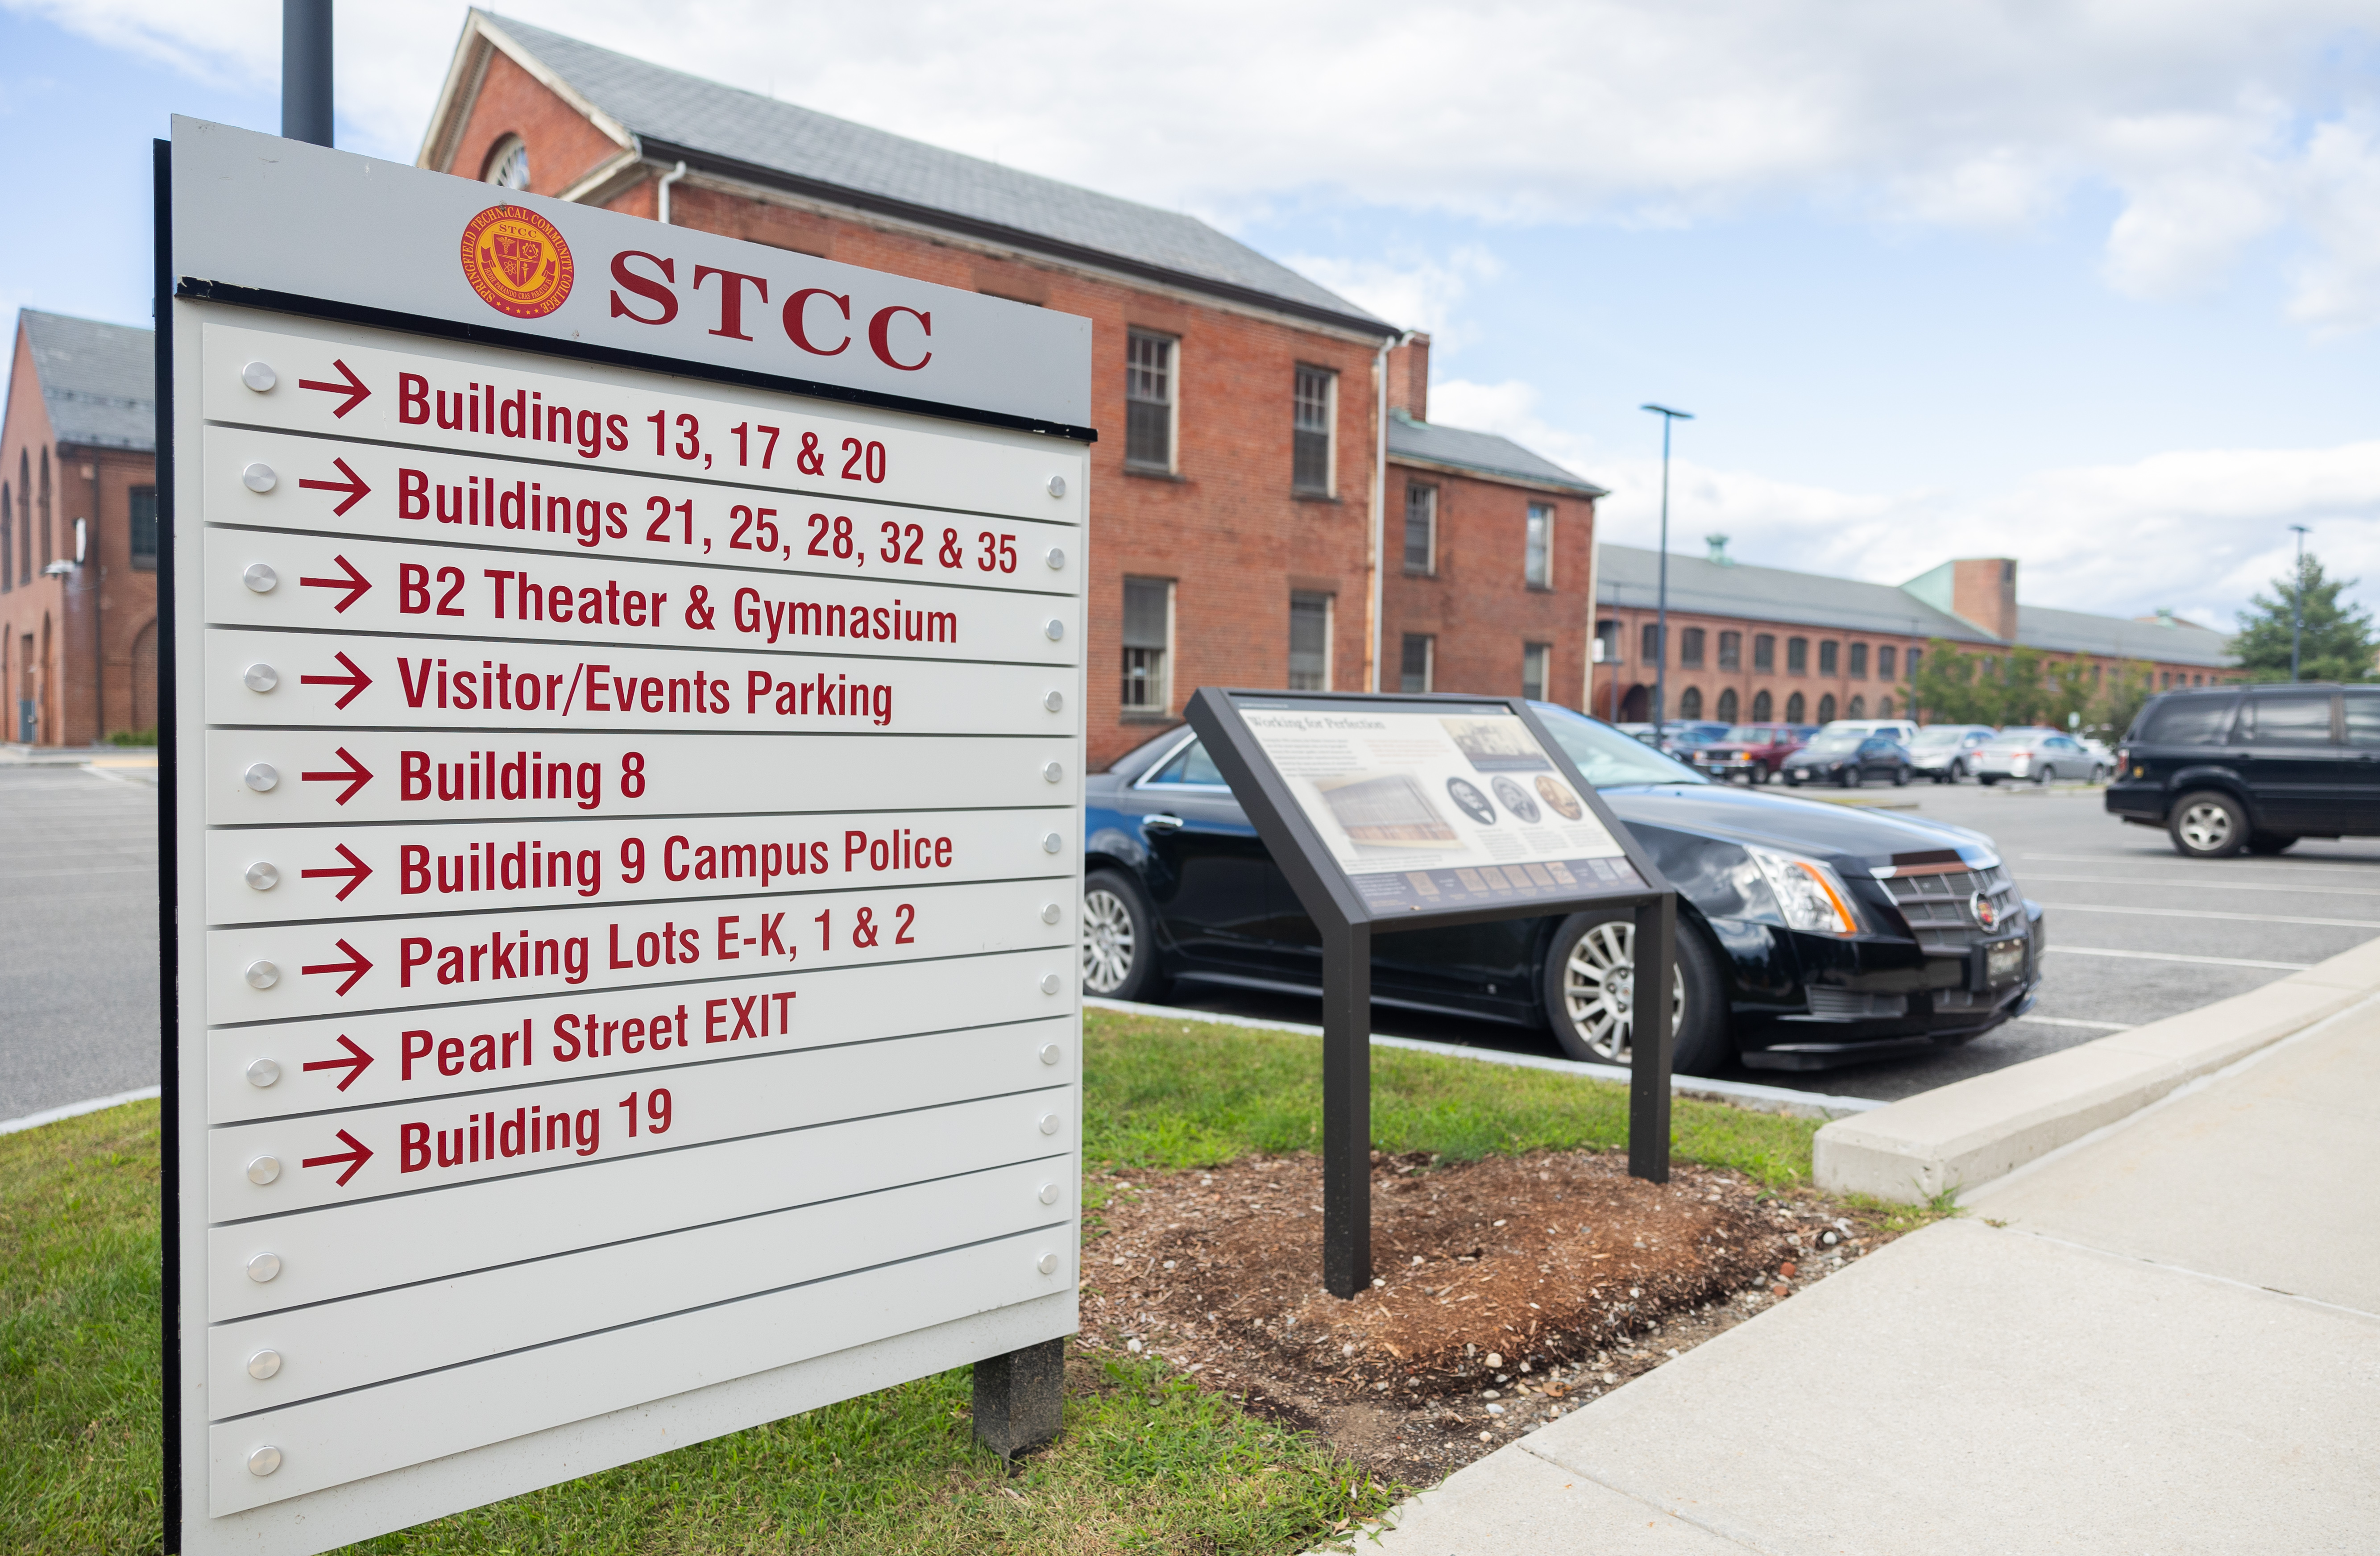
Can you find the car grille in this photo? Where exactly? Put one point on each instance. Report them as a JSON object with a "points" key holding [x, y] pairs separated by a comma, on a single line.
{"points": [[1937, 911]]}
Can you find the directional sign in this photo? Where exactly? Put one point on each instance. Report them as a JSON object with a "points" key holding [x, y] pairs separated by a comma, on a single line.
{"points": [[624, 786]]}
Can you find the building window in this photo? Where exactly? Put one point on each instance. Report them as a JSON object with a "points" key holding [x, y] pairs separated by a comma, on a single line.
{"points": [[1727, 706], [1690, 647], [1885, 655], [1535, 661], [144, 527], [1827, 709], [1538, 568], [1690, 703], [1148, 401], [1421, 528], [1797, 656], [2169, 681], [1764, 707], [1148, 644], [2096, 670], [1858, 709], [1830, 657], [1884, 707], [7, 536], [508, 165], [1731, 650], [1915, 655], [1416, 661], [1317, 388], [1859, 661], [1764, 652], [1310, 641], [49, 552], [1650, 651], [1607, 638], [1795, 709]]}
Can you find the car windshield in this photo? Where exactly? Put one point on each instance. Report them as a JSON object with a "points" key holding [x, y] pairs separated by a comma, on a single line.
{"points": [[1608, 758], [1939, 737], [1751, 734], [1837, 742]]}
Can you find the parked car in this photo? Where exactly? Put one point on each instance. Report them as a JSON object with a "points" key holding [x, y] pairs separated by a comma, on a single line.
{"points": [[2224, 769], [1902, 730], [1809, 935], [1849, 759], [1681, 736], [1750, 753], [2103, 760], [2042, 755], [1946, 752]]}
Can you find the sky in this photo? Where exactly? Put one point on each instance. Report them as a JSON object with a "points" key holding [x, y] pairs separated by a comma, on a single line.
{"points": [[2094, 283]]}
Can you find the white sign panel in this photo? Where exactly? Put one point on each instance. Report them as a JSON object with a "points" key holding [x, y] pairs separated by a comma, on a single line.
{"points": [[626, 836]]}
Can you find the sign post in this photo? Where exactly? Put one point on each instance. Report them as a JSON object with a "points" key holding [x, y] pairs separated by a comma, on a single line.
{"points": [[1392, 812], [622, 772]]}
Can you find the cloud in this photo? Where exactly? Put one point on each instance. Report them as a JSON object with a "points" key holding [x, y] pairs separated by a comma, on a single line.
{"points": [[2211, 123], [1417, 293]]}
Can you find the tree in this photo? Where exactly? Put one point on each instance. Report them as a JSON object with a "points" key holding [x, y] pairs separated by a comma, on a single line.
{"points": [[2337, 645], [2021, 686]]}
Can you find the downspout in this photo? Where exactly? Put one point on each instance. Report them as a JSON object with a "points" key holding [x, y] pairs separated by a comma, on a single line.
{"points": [[1593, 583], [97, 604], [672, 176], [1379, 504]]}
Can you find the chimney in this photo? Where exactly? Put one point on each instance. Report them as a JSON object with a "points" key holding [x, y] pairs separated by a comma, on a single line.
{"points": [[1409, 377], [1982, 589]]}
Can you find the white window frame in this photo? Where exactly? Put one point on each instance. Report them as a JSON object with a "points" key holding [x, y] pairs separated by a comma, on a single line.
{"points": [[1329, 377], [1429, 660], [1429, 492], [1537, 547], [1544, 654], [1170, 373], [1163, 680], [1330, 631]]}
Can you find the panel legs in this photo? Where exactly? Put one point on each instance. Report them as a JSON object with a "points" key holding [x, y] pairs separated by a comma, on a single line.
{"points": [[1020, 1398]]}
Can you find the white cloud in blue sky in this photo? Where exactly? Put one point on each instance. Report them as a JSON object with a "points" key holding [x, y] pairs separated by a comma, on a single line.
{"points": [[2093, 283]]}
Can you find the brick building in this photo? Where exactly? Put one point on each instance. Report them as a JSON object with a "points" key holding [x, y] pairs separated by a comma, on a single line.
{"points": [[79, 532], [1236, 497], [1761, 643]]}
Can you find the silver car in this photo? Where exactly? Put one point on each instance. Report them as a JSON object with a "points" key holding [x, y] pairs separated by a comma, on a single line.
{"points": [[2042, 755]]}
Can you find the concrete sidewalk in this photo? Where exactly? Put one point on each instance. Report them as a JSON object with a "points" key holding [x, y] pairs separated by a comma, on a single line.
{"points": [[2164, 1337]]}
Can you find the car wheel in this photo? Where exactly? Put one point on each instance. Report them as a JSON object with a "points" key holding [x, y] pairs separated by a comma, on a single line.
{"points": [[2043, 774], [1119, 947], [1986, 779], [1590, 982], [2270, 842], [1901, 777], [2208, 825], [1851, 778], [1957, 772]]}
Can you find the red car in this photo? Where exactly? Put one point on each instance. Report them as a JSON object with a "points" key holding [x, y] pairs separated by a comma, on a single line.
{"points": [[1751, 753]]}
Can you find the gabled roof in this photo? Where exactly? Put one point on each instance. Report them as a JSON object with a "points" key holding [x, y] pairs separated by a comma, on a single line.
{"points": [[99, 382], [2183, 642], [1484, 452], [669, 114], [1630, 575]]}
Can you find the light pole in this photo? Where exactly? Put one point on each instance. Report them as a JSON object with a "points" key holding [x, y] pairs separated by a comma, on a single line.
{"points": [[1662, 602], [2297, 603]]}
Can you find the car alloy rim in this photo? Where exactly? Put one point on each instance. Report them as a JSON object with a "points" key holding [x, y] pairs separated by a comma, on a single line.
{"points": [[1599, 990], [1107, 942], [2205, 827]]}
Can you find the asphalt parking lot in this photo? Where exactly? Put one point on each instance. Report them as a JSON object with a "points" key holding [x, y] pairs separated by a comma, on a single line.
{"points": [[2136, 932]]}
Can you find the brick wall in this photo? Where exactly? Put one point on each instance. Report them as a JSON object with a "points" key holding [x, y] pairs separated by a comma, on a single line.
{"points": [[1476, 603]]}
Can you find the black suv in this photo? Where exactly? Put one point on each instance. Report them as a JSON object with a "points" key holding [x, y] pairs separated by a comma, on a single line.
{"points": [[2254, 768]]}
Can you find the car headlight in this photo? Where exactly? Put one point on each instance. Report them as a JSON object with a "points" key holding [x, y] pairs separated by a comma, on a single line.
{"points": [[1810, 894]]}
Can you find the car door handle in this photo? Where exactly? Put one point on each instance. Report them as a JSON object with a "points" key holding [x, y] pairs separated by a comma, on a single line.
{"points": [[1161, 823]]}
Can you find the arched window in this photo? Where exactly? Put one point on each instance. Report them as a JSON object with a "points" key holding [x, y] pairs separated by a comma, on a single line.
{"points": [[1827, 709], [47, 555], [1690, 703], [508, 165], [7, 536], [1858, 710], [1795, 709], [1764, 707], [1727, 706], [1884, 707], [25, 531]]}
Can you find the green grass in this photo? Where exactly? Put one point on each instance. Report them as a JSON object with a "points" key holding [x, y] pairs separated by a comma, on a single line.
{"points": [[1147, 1462]]}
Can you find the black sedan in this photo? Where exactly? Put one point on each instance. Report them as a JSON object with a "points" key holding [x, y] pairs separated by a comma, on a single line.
{"points": [[1848, 758], [1809, 934]]}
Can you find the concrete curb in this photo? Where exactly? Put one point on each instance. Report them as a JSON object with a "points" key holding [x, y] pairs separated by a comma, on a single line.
{"points": [[1972, 1131], [75, 1110], [1741, 1094]]}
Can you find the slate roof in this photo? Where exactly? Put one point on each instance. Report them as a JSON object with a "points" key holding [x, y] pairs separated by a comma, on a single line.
{"points": [[1484, 452], [99, 382], [674, 114], [1629, 577]]}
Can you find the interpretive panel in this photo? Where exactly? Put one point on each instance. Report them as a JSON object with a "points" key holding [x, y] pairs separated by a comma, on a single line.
{"points": [[624, 769]]}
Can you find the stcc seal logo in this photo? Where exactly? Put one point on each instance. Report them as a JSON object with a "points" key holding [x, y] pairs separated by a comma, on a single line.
{"points": [[1986, 916], [517, 262]]}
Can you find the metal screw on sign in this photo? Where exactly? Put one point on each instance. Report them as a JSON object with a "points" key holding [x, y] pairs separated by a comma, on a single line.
{"points": [[1056, 557], [1057, 486], [264, 1268], [1050, 983], [264, 1170], [264, 1461], [1048, 1194], [264, 876], [1055, 628], [1054, 701], [262, 678], [260, 777], [260, 377], [1051, 843], [1047, 1264], [262, 974], [259, 477], [1048, 1123], [263, 1365], [1048, 1053], [260, 578], [263, 1073], [1050, 912], [1052, 773]]}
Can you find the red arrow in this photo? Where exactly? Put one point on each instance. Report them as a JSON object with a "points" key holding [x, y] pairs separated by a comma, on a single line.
{"points": [[355, 968], [354, 1156], [355, 680], [355, 583], [353, 388], [355, 1064], [355, 777], [356, 872], [353, 486]]}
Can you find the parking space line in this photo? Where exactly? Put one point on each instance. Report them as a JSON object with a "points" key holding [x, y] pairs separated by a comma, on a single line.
{"points": [[2074, 1021], [2177, 956], [2217, 885], [2200, 913], [2291, 867]]}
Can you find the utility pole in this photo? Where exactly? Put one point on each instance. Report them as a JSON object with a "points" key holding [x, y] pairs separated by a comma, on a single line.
{"points": [[1662, 602], [306, 70], [2297, 603]]}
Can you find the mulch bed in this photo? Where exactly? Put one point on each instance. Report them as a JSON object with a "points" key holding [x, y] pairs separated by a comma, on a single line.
{"points": [[1508, 1290]]}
